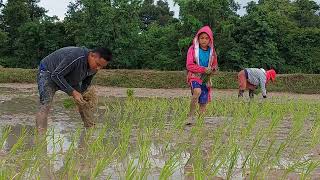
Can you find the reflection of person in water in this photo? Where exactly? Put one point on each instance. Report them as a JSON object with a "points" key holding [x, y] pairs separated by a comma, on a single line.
{"points": [[84, 163], [81, 164]]}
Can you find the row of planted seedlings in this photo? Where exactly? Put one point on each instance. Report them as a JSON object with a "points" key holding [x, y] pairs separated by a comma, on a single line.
{"points": [[141, 138], [273, 136]]}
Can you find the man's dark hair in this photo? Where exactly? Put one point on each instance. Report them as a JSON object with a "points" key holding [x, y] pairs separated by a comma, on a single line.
{"points": [[105, 53]]}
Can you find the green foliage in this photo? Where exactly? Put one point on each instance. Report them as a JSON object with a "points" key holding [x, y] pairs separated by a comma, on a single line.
{"points": [[68, 103], [158, 13], [130, 93], [144, 34], [27, 34], [3, 40], [142, 138], [163, 51]]}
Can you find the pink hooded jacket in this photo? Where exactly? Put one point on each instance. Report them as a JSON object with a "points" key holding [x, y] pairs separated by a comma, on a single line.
{"points": [[193, 67]]}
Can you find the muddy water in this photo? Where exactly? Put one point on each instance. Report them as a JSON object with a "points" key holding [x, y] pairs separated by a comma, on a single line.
{"points": [[17, 111], [18, 107]]}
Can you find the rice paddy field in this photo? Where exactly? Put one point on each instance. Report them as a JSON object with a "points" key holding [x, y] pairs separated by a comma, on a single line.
{"points": [[145, 138]]}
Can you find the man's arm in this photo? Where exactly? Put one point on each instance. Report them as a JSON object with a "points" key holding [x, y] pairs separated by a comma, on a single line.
{"points": [[263, 82], [64, 68]]}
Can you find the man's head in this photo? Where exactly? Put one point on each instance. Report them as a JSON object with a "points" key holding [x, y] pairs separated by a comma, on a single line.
{"points": [[204, 40], [99, 58]]}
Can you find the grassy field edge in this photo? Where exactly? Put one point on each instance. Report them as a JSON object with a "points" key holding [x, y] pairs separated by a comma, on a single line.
{"points": [[297, 83]]}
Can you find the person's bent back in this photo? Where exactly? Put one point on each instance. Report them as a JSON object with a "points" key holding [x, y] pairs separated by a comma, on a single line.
{"points": [[71, 70]]}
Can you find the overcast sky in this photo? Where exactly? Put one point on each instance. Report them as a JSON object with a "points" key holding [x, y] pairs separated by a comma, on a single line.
{"points": [[59, 7]]}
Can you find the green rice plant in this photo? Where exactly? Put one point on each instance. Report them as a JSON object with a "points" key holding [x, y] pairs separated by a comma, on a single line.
{"points": [[144, 169], [36, 156], [8, 173], [4, 136], [20, 142], [309, 168], [255, 143], [251, 123], [264, 160], [130, 93], [98, 144], [219, 153], [39, 157], [25, 164], [69, 160], [144, 142], [170, 165], [131, 170], [234, 156], [124, 142], [281, 149], [217, 163], [179, 114], [198, 165], [315, 131], [68, 103], [125, 132], [102, 163], [290, 169]]}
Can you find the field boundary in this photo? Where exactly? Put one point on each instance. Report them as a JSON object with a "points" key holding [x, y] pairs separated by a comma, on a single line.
{"points": [[296, 83]]}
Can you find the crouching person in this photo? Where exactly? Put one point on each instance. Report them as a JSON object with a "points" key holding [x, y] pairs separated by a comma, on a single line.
{"points": [[252, 78], [69, 69]]}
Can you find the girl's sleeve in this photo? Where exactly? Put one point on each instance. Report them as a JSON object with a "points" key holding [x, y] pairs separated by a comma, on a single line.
{"points": [[191, 65], [215, 60]]}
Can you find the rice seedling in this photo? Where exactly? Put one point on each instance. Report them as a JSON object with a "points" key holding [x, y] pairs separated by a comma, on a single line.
{"points": [[146, 137], [131, 170], [170, 165], [4, 135], [101, 164], [309, 168]]}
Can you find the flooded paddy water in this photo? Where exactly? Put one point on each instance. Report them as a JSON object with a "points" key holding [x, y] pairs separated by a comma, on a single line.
{"points": [[144, 137]]}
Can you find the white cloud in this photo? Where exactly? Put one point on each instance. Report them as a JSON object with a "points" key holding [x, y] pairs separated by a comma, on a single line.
{"points": [[55, 7]]}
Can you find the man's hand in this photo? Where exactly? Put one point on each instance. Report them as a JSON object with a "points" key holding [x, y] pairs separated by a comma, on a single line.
{"points": [[78, 97]]}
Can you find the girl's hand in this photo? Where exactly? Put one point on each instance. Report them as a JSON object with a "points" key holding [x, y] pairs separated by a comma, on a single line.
{"points": [[214, 72], [208, 70]]}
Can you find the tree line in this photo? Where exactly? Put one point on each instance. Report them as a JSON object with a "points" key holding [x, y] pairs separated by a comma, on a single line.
{"points": [[145, 34]]}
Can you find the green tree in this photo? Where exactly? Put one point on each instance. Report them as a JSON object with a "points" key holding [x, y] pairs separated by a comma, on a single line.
{"points": [[305, 14], [101, 23], [35, 11], [219, 15], [155, 13], [15, 14], [144, 34], [28, 34], [160, 48]]}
